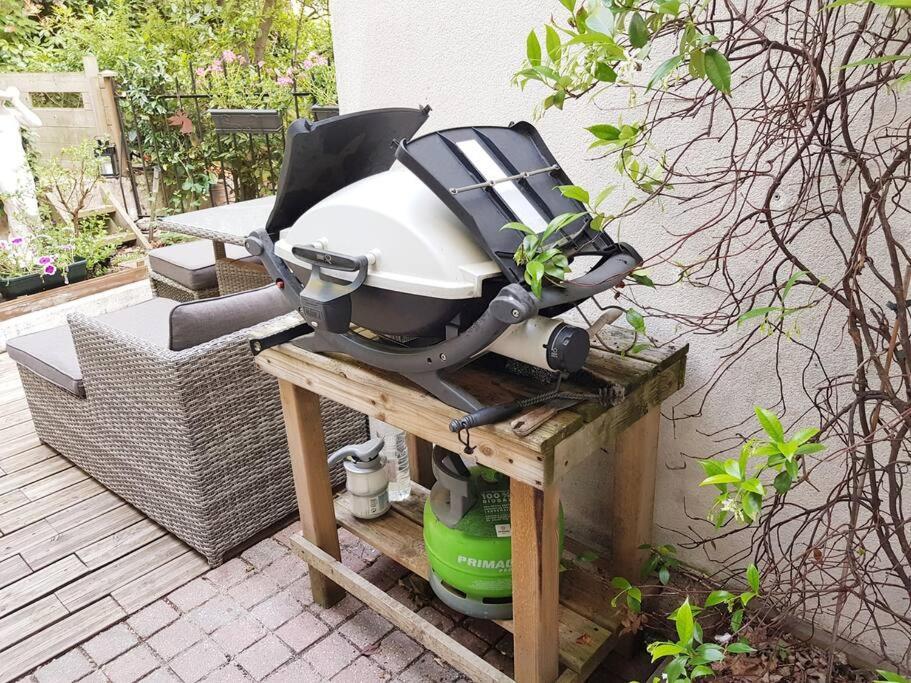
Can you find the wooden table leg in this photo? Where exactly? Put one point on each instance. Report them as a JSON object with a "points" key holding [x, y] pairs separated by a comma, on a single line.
{"points": [[419, 460], [535, 580], [310, 468], [633, 498]]}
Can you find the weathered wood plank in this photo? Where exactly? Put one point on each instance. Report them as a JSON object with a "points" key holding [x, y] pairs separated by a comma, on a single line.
{"points": [[109, 578], [40, 583], [44, 507], [30, 619], [306, 444], [32, 456], [23, 539], [12, 500], [55, 297], [534, 517], [18, 445], [161, 581], [399, 536], [33, 473], [59, 637], [409, 622], [10, 418], [12, 569], [14, 430], [120, 543], [89, 508], [78, 539], [54, 483]]}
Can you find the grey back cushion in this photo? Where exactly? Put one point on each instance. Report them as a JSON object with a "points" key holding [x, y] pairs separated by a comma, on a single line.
{"points": [[196, 322]]}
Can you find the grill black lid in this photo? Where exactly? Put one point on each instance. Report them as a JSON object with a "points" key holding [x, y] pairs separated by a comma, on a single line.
{"points": [[460, 157], [323, 157]]}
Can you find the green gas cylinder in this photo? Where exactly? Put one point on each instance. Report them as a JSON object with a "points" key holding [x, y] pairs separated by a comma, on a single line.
{"points": [[468, 537]]}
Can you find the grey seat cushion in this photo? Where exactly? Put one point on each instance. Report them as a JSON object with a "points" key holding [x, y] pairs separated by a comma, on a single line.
{"points": [[196, 322], [192, 264], [51, 353]]}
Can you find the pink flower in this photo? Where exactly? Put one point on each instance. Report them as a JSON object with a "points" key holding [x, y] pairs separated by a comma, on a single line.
{"points": [[44, 260], [307, 64], [4, 244], [284, 80], [321, 61], [241, 59], [228, 56], [260, 64], [49, 269], [17, 241], [200, 71], [216, 67]]}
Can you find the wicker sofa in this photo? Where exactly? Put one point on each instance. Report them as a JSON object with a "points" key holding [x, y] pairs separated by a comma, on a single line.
{"points": [[163, 404]]}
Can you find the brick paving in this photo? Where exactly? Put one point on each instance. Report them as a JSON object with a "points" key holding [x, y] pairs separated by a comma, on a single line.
{"points": [[254, 619]]}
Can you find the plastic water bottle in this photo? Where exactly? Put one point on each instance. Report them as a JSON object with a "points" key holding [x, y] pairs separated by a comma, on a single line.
{"points": [[396, 454]]}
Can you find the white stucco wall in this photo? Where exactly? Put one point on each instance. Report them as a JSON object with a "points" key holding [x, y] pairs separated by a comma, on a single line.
{"points": [[459, 58]]}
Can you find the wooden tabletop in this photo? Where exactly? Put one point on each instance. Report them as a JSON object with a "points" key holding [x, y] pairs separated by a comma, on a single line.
{"points": [[637, 382]]}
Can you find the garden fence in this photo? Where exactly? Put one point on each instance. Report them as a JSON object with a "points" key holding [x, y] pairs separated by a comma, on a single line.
{"points": [[175, 158]]}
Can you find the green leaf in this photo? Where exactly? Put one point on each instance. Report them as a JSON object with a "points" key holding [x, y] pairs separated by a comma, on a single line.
{"points": [[753, 578], [521, 227], [710, 652], [621, 583], [604, 131], [534, 274], [716, 479], [663, 649], [790, 283], [718, 597], [770, 423], [601, 20], [712, 467], [635, 319], [642, 279], [904, 4], [574, 192], [561, 221], [587, 556], [663, 71], [684, 622], [718, 70], [697, 64], [889, 677], [568, 4], [871, 61], [752, 505], [638, 31], [552, 41], [533, 49], [740, 648], [736, 620], [700, 671], [808, 448], [753, 486], [757, 312], [805, 435], [604, 72], [603, 194], [782, 482], [664, 575]]}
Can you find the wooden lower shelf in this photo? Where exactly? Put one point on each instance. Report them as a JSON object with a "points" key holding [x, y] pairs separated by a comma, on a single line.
{"points": [[588, 624]]}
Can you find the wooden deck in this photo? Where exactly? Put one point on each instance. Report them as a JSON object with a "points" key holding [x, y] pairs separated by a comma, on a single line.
{"points": [[74, 558]]}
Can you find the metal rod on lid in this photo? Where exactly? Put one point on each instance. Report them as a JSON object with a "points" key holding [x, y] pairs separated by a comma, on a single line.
{"points": [[507, 179]]}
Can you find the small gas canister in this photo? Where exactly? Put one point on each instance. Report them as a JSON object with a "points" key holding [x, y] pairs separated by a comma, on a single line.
{"points": [[365, 478]]}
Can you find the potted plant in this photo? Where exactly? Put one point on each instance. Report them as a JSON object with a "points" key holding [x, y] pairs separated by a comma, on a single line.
{"points": [[26, 268]]}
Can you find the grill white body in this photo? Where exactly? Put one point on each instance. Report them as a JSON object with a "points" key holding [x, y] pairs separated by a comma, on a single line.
{"points": [[417, 245]]}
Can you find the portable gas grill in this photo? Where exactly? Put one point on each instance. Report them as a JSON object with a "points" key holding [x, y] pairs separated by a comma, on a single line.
{"points": [[393, 251]]}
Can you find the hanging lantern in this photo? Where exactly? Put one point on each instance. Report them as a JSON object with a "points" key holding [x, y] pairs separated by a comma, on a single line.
{"points": [[106, 153]]}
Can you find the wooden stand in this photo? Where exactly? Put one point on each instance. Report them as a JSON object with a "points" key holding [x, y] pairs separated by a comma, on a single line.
{"points": [[559, 618]]}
